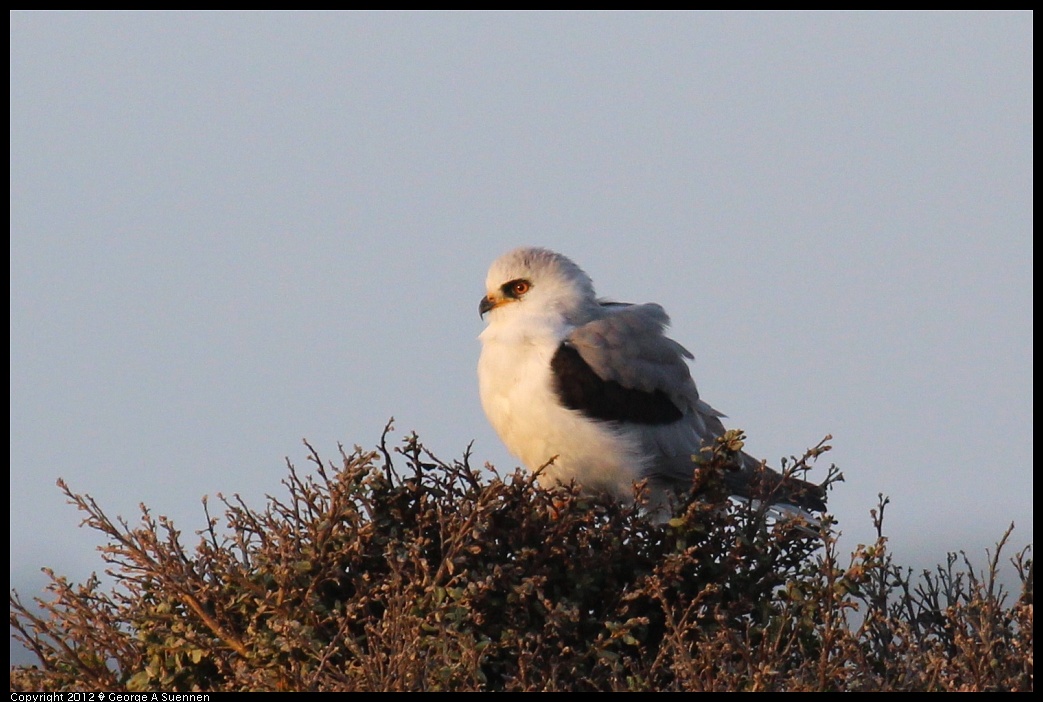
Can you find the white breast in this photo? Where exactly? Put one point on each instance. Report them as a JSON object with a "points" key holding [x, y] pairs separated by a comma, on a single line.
{"points": [[517, 393]]}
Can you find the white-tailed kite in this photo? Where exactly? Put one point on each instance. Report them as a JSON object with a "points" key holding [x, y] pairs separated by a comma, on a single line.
{"points": [[594, 391]]}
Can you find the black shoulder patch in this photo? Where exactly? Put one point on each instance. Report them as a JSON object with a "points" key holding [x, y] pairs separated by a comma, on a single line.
{"points": [[580, 388]]}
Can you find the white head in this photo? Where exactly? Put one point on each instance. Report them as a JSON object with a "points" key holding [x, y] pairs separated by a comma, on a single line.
{"points": [[535, 282]]}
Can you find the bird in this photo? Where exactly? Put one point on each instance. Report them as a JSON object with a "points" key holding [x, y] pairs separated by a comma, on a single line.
{"points": [[588, 390]]}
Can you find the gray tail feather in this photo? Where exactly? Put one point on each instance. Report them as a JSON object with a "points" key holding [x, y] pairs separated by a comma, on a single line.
{"points": [[755, 481]]}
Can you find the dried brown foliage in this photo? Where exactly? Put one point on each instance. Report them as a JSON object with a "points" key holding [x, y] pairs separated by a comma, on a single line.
{"points": [[436, 577]]}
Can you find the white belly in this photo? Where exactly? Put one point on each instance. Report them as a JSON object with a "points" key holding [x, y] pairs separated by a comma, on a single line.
{"points": [[517, 394]]}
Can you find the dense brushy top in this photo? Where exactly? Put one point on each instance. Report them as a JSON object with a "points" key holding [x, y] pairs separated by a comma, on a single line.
{"points": [[438, 576]]}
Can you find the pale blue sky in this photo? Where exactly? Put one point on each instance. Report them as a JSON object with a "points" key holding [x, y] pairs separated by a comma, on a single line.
{"points": [[232, 231]]}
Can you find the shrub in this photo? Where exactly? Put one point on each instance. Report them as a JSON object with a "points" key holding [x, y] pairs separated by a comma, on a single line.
{"points": [[437, 576]]}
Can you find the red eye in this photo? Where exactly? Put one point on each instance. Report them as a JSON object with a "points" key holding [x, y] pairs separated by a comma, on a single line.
{"points": [[520, 287]]}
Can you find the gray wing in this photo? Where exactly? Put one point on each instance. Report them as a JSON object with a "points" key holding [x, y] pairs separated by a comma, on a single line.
{"points": [[627, 347]]}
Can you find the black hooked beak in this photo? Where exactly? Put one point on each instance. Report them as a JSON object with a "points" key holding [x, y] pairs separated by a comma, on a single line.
{"points": [[485, 305]]}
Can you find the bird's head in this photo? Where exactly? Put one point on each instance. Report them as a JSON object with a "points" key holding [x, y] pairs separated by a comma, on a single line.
{"points": [[537, 282]]}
